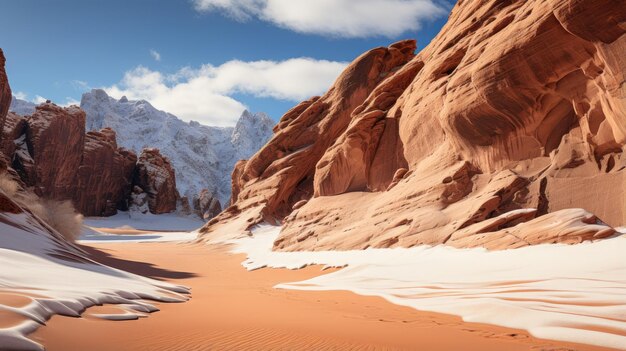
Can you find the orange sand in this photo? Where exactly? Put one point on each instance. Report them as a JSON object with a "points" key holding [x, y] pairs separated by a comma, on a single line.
{"points": [[233, 309]]}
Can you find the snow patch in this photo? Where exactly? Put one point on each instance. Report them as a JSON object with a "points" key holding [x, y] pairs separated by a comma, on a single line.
{"points": [[146, 221], [37, 265], [574, 293], [202, 156], [22, 107]]}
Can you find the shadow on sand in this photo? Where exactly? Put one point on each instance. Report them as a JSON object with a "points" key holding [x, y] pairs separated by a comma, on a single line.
{"points": [[141, 268]]}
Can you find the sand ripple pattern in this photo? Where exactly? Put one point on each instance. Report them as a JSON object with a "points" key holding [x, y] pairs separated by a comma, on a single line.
{"points": [[569, 293]]}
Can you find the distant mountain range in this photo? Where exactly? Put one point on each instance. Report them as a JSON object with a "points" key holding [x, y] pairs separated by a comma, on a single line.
{"points": [[202, 156]]}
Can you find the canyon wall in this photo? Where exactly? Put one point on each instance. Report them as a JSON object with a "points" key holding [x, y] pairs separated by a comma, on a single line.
{"points": [[494, 135], [54, 157]]}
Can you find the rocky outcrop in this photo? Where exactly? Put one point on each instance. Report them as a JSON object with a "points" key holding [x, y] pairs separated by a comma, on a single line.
{"points": [[203, 155], [55, 140], [5, 92], [286, 166], [155, 176], [206, 205], [104, 176], [55, 158], [515, 105]]}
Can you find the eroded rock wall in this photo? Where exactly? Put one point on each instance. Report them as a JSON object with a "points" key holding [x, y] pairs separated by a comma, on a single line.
{"points": [[515, 105]]}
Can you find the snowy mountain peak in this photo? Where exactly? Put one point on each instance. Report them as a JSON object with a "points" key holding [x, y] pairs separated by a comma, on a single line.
{"points": [[203, 157], [247, 131], [22, 107]]}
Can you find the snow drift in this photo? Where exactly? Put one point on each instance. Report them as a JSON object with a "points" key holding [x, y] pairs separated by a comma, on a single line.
{"points": [[58, 278], [573, 293]]}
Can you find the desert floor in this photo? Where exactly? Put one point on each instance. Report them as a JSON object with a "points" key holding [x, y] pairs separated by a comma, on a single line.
{"points": [[234, 309]]}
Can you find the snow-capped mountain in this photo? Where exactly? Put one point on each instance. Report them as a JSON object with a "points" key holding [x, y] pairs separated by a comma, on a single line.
{"points": [[203, 156], [22, 107]]}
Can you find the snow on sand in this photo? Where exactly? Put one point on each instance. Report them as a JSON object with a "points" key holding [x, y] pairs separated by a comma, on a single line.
{"points": [[138, 227], [58, 279], [571, 293]]}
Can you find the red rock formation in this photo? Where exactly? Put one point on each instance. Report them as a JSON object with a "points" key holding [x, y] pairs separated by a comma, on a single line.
{"points": [[55, 137], [156, 177], [515, 104], [52, 154], [5, 92], [104, 176], [206, 205], [286, 165]]}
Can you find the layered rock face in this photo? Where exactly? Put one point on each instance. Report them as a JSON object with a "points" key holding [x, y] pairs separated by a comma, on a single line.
{"points": [[55, 140], [5, 91], [155, 175], [512, 117], [54, 157], [105, 175]]}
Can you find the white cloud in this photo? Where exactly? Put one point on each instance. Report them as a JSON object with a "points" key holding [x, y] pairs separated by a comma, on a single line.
{"points": [[204, 94], [155, 55], [343, 18], [39, 99], [69, 101], [20, 95]]}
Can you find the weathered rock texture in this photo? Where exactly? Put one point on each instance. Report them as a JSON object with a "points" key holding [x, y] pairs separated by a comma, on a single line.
{"points": [[206, 205], [105, 175], [514, 105], [55, 139], [54, 157], [5, 92], [155, 175]]}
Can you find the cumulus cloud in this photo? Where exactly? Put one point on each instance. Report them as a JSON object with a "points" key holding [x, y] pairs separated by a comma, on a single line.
{"points": [[343, 18], [69, 101], [20, 95], [205, 94], [38, 99], [155, 55]]}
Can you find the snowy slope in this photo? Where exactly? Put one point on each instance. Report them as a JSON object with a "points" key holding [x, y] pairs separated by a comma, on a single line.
{"points": [[56, 277], [22, 107], [203, 156]]}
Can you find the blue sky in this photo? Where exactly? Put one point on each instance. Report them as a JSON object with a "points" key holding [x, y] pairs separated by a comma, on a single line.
{"points": [[200, 59]]}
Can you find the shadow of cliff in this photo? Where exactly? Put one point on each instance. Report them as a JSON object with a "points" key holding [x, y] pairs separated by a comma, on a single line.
{"points": [[137, 267]]}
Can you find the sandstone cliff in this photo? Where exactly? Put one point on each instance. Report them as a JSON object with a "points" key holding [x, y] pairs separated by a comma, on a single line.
{"points": [[54, 139], [5, 91], [54, 157], [512, 117], [105, 175]]}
